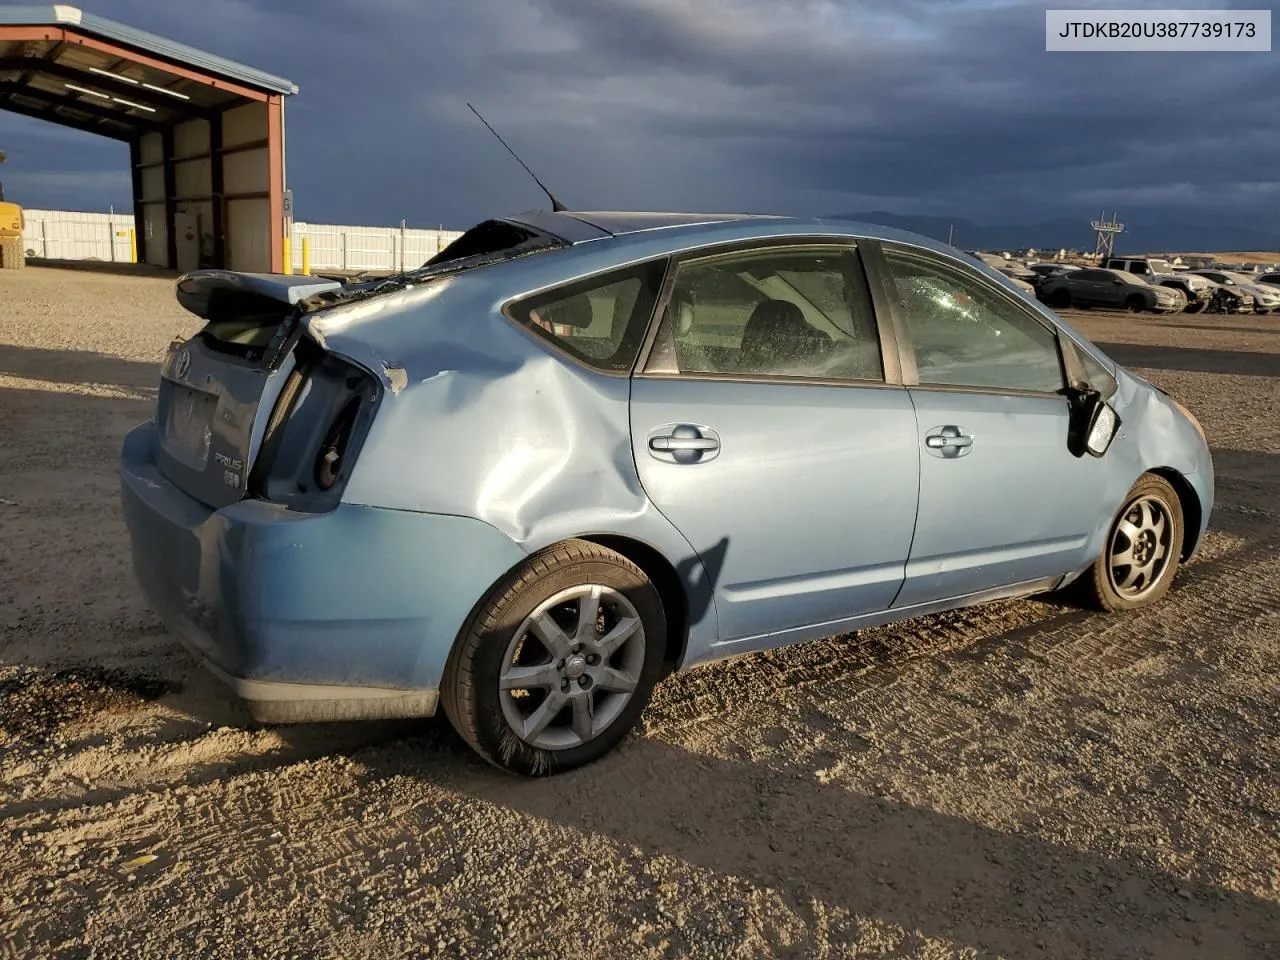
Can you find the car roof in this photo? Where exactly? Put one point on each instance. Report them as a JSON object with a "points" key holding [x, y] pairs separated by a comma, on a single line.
{"points": [[661, 233], [577, 226]]}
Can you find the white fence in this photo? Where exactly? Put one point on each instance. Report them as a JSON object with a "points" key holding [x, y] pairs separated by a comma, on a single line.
{"points": [[73, 235], [332, 247]]}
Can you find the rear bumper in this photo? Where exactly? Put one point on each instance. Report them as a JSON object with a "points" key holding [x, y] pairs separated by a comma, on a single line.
{"points": [[342, 615]]}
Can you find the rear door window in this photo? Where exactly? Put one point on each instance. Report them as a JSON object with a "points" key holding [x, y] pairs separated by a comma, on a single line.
{"points": [[789, 311]]}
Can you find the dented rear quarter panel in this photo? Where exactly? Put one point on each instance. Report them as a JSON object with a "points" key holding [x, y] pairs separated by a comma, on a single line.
{"points": [[480, 420]]}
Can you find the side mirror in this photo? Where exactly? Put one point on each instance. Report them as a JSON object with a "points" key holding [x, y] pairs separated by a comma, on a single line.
{"points": [[1094, 423]]}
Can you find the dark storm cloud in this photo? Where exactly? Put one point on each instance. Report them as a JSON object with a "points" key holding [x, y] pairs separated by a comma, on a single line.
{"points": [[919, 107]]}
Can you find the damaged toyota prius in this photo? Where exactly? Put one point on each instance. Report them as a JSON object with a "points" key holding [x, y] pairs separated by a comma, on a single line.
{"points": [[575, 452]]}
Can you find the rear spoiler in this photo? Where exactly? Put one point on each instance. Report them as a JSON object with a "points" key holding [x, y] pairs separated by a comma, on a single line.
{"points": [[222, 294]]}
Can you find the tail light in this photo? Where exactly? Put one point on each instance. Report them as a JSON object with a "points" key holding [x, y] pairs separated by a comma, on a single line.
{"points": [[315, 432], [337, 441]]}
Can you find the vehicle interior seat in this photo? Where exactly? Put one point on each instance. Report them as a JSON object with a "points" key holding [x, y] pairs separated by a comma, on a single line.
{"points": [[574, 312], [778, 336]]}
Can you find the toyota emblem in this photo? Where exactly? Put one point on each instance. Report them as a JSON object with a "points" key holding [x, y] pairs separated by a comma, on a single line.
{"points": [[182, 363]]}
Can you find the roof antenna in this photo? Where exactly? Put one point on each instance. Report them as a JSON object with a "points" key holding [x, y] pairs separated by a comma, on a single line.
{"points": [[556, 205]]}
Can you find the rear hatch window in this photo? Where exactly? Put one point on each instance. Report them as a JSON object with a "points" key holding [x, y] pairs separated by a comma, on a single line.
{"points": [[492, 241]]}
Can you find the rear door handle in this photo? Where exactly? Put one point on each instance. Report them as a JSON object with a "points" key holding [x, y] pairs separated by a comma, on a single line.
{"points": [[948, 441], [683, 443]]}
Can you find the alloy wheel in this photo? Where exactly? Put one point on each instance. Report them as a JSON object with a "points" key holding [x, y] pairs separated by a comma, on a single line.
{"points": [[572, 667], [1139, 552]]}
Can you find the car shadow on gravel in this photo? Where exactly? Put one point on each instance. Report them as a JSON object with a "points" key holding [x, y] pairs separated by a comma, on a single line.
{"points": [[79, 367], [1194, 360], [995, 892], [114, 268]]}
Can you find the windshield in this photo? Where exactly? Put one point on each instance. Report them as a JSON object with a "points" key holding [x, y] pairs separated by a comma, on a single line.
{"points": [[1160, 266]]}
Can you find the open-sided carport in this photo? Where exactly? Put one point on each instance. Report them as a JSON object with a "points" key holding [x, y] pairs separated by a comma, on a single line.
{"points": [[206, 134]]}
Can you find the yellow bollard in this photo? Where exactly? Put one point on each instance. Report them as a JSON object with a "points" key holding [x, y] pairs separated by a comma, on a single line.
{"points": [[306, 256], [133, 246], [288, 257]]}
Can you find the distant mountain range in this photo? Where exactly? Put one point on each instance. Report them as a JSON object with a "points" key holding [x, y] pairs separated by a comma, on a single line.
{"points": [[1142, 236]]}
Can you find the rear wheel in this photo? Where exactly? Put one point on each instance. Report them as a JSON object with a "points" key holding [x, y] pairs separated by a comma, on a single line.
{"points": [[1142, 551], [558, 662], [1060, 299]]}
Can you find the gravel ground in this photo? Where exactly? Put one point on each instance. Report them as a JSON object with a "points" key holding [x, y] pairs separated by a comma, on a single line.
{"points": [[1023, 779]]}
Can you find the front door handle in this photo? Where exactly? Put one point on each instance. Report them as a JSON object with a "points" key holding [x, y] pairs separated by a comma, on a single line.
{"points": [[683, 443], [948, 441]]}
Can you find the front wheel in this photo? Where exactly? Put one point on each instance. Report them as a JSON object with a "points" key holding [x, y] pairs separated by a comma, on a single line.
{"points": [[1143, 549], [558, 662], [1135, 303]]}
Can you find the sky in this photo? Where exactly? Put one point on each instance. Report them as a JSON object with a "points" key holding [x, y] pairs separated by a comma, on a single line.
{"points": [[809, 107]]}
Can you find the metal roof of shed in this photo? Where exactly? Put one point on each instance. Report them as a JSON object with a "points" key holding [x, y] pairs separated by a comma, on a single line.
{"points": [[62, 15], [60, 64]]}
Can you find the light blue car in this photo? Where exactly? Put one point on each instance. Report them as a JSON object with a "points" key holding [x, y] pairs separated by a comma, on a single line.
{"points": [[577, 451]]}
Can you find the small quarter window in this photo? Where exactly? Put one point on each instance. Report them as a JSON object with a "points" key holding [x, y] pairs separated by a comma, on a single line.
{"points": [[600, 321]]}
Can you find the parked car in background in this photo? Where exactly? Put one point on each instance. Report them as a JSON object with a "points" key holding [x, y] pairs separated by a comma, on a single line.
{"points": [[1025, 287], [1043, 271], [1010, 268], [1265, 298], [1098, 287], [1197, 291], [1048, 268], [575, 452], [1270, 279], [1230, 300]]}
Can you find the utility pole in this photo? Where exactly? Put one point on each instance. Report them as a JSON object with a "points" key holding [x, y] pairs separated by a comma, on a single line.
{"points": [[951, 232]]}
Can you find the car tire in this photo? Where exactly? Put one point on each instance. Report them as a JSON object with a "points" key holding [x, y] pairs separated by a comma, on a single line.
{"points": [[1135, 303], [530, 628], [1194, 307], [1148, 528], [1060, 299]]}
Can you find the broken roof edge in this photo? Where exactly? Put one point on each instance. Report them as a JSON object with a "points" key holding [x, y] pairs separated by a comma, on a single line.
{"points": [[62, 15]]}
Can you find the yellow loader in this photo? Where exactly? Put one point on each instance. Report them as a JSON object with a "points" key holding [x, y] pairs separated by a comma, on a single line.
{"points": [[12, 255]]}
